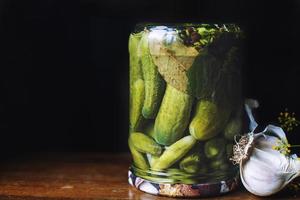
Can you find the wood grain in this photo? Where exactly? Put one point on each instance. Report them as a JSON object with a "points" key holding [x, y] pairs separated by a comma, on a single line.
{"points": [[81, 176]]}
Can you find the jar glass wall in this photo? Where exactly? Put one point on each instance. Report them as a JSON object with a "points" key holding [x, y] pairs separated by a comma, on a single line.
{"points": [[185, 107]]}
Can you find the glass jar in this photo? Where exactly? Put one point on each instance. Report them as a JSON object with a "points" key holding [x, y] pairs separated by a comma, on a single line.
{"points": [[185, 108]]}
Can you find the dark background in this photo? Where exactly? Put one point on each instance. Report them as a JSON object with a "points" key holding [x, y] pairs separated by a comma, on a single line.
{"points": [[64, 65]]}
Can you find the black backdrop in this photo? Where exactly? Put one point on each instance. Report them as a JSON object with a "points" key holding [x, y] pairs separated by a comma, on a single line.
{"points": [[64, 65]]}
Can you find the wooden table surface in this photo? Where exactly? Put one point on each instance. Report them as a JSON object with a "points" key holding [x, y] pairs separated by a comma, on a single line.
{"points": [[81, 176]]}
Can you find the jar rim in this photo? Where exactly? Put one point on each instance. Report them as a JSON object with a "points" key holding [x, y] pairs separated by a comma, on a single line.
{"points": [[183, 25]]}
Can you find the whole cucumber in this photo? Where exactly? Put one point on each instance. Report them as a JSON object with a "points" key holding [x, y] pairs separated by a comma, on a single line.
{"points": [[154, 83], [174, 153], [173, 116], [135, 70], [209, 120], [136, 104], [144, 143], [139, 159]]}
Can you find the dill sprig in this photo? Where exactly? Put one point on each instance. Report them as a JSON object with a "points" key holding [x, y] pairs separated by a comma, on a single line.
{"points": [[288, 120], [283, 147]]}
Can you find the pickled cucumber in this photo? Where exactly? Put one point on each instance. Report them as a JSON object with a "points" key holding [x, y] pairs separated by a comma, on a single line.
{"points": [[181, 176], [209, 120], [136, 104], [191, 163], [203, 75], [174, 172], [173, 116], [139, 159], [219, 164], [149, 129], [154, 83], [144, 143], [214, 147], [174, 153], [152, 159], [134, 59], [157, 179], [233, 127]]}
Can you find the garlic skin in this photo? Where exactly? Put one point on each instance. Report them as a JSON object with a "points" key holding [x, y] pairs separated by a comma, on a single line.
{"points": [[263, 170]]}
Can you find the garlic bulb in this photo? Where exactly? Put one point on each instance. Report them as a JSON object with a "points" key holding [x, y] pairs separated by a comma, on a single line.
{"points": [[265, 170]]}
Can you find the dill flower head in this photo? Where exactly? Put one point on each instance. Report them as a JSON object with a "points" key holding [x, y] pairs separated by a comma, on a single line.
{"points": [[288, 120]]}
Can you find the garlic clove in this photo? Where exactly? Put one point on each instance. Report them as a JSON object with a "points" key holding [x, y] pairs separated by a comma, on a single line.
{"points": [[272, 159], [260, 179], [267, 143]]}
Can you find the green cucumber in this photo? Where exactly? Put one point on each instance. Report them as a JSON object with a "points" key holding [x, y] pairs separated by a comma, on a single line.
{"points": [[152, 159], [157, 179], [134, 59], [173, 116], [219, 164], [214, 147], [149, 129], [202, 76], [137, 94], [191, 163], [174, 153], [139, 159], [209, 120], [154, 83], [144, 143], [136, 104], [233, 127]]}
